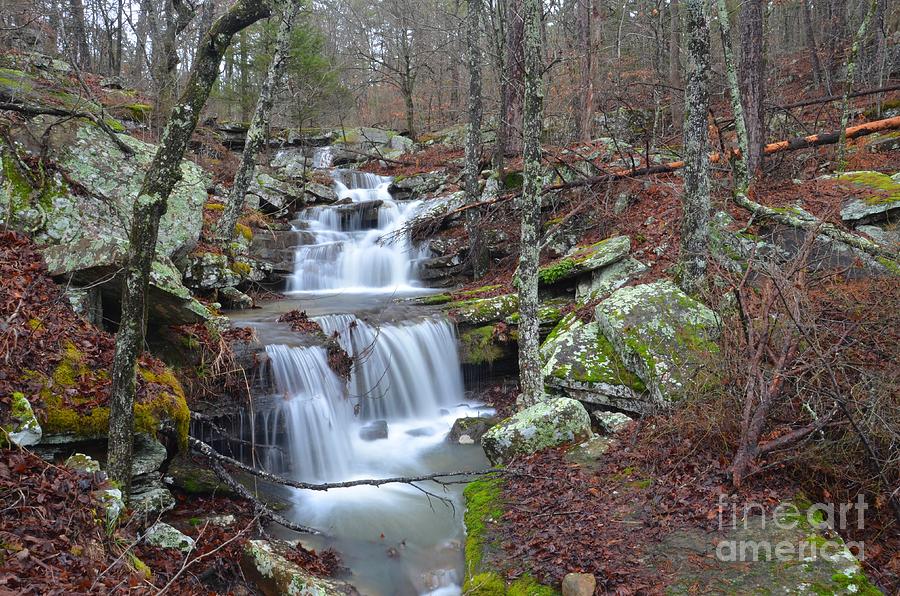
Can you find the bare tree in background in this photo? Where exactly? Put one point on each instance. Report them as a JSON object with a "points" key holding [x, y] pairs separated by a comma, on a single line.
{"points": [[473, 139], [752, 78]]}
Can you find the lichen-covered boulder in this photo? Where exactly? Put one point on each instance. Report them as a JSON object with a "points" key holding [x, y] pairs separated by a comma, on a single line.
{"points": [[585, 259], [267, 565], [479, 311], [469, 430], [23, 428], [881, 198], [163, 535], [660, 333], [545, 424], [607, 279], [579, 362]]}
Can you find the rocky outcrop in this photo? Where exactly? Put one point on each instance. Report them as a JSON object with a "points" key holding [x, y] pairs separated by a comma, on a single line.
{"points": [[22, 429], [546, 424], [660, 333], [268, 566], [880, 200], [81, 217], [585, 260], [579, 362]]}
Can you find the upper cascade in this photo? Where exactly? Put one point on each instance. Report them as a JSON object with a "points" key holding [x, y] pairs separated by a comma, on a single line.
{"points": [[361, 245]]}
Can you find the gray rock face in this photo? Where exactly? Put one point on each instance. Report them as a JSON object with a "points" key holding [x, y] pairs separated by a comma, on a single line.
{"points": [[274, 195], [660, 334], [163, 535], [887, 235], [546, 424], [374, 431], [274, 247], [609, 423], [607, 279], [578, 584], [417, 186], [585, 260]]}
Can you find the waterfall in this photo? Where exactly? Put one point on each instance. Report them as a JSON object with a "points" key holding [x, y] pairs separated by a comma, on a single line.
{"points": [[400, 371], [315, 413], [362, 246]]}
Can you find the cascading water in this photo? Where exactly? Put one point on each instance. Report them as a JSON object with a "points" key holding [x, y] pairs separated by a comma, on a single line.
{"points": [[359, 246], [405, 381]]}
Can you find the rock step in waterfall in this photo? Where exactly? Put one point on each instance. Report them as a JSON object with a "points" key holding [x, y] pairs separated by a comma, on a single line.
{"points": [[360, 244]]}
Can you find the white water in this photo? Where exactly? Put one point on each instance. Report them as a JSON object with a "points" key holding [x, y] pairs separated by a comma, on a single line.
{"points": [[360, 247], [407, 373]]}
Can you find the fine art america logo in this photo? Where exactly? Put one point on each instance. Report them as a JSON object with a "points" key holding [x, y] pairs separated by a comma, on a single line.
{"points": [[788, 533]]}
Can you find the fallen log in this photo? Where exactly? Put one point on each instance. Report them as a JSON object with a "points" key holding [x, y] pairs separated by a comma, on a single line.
{"points": [[757, 209]]}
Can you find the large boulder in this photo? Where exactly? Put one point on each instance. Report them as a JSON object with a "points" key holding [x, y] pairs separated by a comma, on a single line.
{"points": [[579, 362], [81, 217], [880, 200], [268, 565], [546, 424], [660, 333]]}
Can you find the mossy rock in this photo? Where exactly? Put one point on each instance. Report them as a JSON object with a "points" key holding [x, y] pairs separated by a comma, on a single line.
{"points": [[546, 424], [70, 413], [881, 203], [480, 346], [479, 311], [585, 259], [660, 333], [579, 362], [268, 565], [22, 428]]}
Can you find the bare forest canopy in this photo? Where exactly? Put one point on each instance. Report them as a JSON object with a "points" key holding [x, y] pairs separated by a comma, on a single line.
{"points": [[401, 64]]}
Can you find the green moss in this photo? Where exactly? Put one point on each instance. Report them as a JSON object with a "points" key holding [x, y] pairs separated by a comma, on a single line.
{"points": [[478, 346], [513, 180], [888, 190], [139, 566], [114, 125], [241, 268], [483, 505], [244, 231], [435, 299], [526, 585], [485, 584], [557, 271], [138, 112], [890, 264]]}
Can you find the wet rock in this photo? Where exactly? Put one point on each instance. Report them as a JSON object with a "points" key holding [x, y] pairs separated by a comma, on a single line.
{"points": [[374, 431], [191, 478], [469, 430], [546, 424], [319, 193], [418, 185], [880, 201], [267, 565], [579, 362], [275, 247], [421, 432], [22, 428], [209, 270], [162, 535], [579, 584], [274, 195], [660, 333], [609, 423]]}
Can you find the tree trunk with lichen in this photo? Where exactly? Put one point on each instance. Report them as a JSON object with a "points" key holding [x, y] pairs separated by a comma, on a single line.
{"points": [[472, 170], [150, 205], [739, 162], [509, 131], [530, 379], [256, 134], [848, 83], [695, 197]]}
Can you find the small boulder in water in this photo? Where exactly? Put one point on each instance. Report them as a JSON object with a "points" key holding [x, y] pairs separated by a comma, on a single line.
{"points": [[374, 431], [469, 430], [421, 432]]}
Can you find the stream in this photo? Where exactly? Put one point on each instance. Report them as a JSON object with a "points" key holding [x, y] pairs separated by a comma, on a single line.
{"points": [[391, 419]]}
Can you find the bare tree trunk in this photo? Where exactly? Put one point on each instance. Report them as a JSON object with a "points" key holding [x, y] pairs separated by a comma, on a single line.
{"points": [[818, 75], [695, 198], [530, 379], [177, 16], [140, 44], [752, 77], [473, 141], [150, 205], [880, 61], [256, 134], [509, 135], [81, 53], [739, 163], [675, 97], [848, 83], [586, 92], [246, 99]]}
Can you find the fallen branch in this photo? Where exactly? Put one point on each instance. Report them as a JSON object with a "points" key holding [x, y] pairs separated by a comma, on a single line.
{"points": [[445, 478], [829, 98]]}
